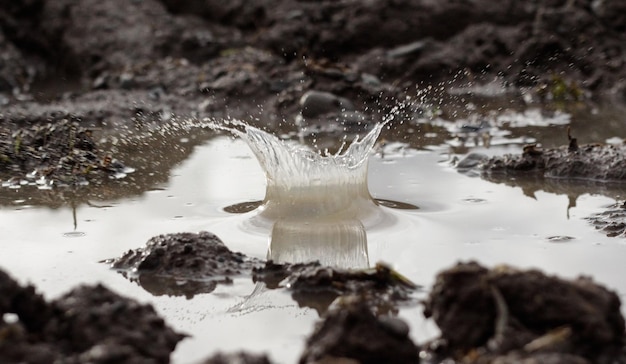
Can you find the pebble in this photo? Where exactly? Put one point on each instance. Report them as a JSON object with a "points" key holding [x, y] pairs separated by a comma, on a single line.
{"points": [[316, 103]]}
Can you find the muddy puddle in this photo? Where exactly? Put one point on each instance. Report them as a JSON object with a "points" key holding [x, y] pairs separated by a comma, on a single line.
{"points": [[457, 217]]}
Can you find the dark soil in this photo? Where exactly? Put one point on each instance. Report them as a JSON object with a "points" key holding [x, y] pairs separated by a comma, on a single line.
{"points": [[351, 333], [109, 64], [589, 162], [612, 221], [90, 324], [509, 313], [316, 286], [183, 264], [74, 72]]}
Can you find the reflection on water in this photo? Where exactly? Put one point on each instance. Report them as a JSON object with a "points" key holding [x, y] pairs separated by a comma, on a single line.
{"points": [[335, 243]]}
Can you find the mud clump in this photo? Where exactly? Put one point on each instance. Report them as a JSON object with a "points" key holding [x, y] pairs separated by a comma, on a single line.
{"points": [[509, 315], [183, 264], [351, 333], [612, 221], [316, 286], [88, 324]]}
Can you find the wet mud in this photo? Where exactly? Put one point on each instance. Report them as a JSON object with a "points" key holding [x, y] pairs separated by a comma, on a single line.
{"points": [[612, 221], [80, 81], [183, 264], [351, 333], [316, 286], [572, 170], [89, 324], [485, 315], [116, 68], [51, 154], [507, 315], [596, 162]]}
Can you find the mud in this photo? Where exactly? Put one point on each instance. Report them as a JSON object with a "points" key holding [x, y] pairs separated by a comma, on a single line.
{"points": [[316, 286], [612, 221], [595, 162], [75, 72], [351, 333], [52, 154], [118, 67], [183, 264], [206, 58], [572, 170], [507, 314], [88, 324]]}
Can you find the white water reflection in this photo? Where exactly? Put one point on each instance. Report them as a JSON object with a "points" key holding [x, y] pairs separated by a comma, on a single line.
{"points": [[335, 243]]}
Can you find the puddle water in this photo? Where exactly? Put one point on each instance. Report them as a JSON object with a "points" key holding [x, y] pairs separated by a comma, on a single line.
{"points": [[434, 218]]}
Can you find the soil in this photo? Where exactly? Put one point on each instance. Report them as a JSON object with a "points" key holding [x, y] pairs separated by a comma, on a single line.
{"points": [[82, 81], [183, 264], [118, 65], [316, 286], [351, 333], [594, 162], [612, 221], [507, 314], [88, 324]]}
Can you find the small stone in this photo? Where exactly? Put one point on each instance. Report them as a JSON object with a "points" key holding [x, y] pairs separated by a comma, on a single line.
{"points": [[316, 103]]}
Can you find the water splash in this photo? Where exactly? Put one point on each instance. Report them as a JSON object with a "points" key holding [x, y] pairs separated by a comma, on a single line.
{"points": [[303, 184]]}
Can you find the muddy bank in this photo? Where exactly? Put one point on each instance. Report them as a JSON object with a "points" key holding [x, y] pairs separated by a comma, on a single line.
{"points": [[572, 170], [88, 324]]}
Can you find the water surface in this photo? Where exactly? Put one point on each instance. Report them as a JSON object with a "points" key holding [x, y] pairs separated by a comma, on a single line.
{"points": [[459, 218]]}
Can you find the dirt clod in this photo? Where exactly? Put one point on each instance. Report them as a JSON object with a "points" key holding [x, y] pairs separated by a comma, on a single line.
{"points": [[502, 311], [351, 333], [183, 264], [88, 324]]}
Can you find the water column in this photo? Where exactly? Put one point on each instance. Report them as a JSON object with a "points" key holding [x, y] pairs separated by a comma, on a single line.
{"points": [[316, 206]]}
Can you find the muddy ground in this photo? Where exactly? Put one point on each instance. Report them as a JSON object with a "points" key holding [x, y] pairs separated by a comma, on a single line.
{"points": [[117, 68], [81, 82]]}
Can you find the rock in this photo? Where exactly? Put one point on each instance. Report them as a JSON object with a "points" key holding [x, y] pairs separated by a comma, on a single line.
{"points": [[351, 333], [183, 264], [316, 103], [505, 310]]}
